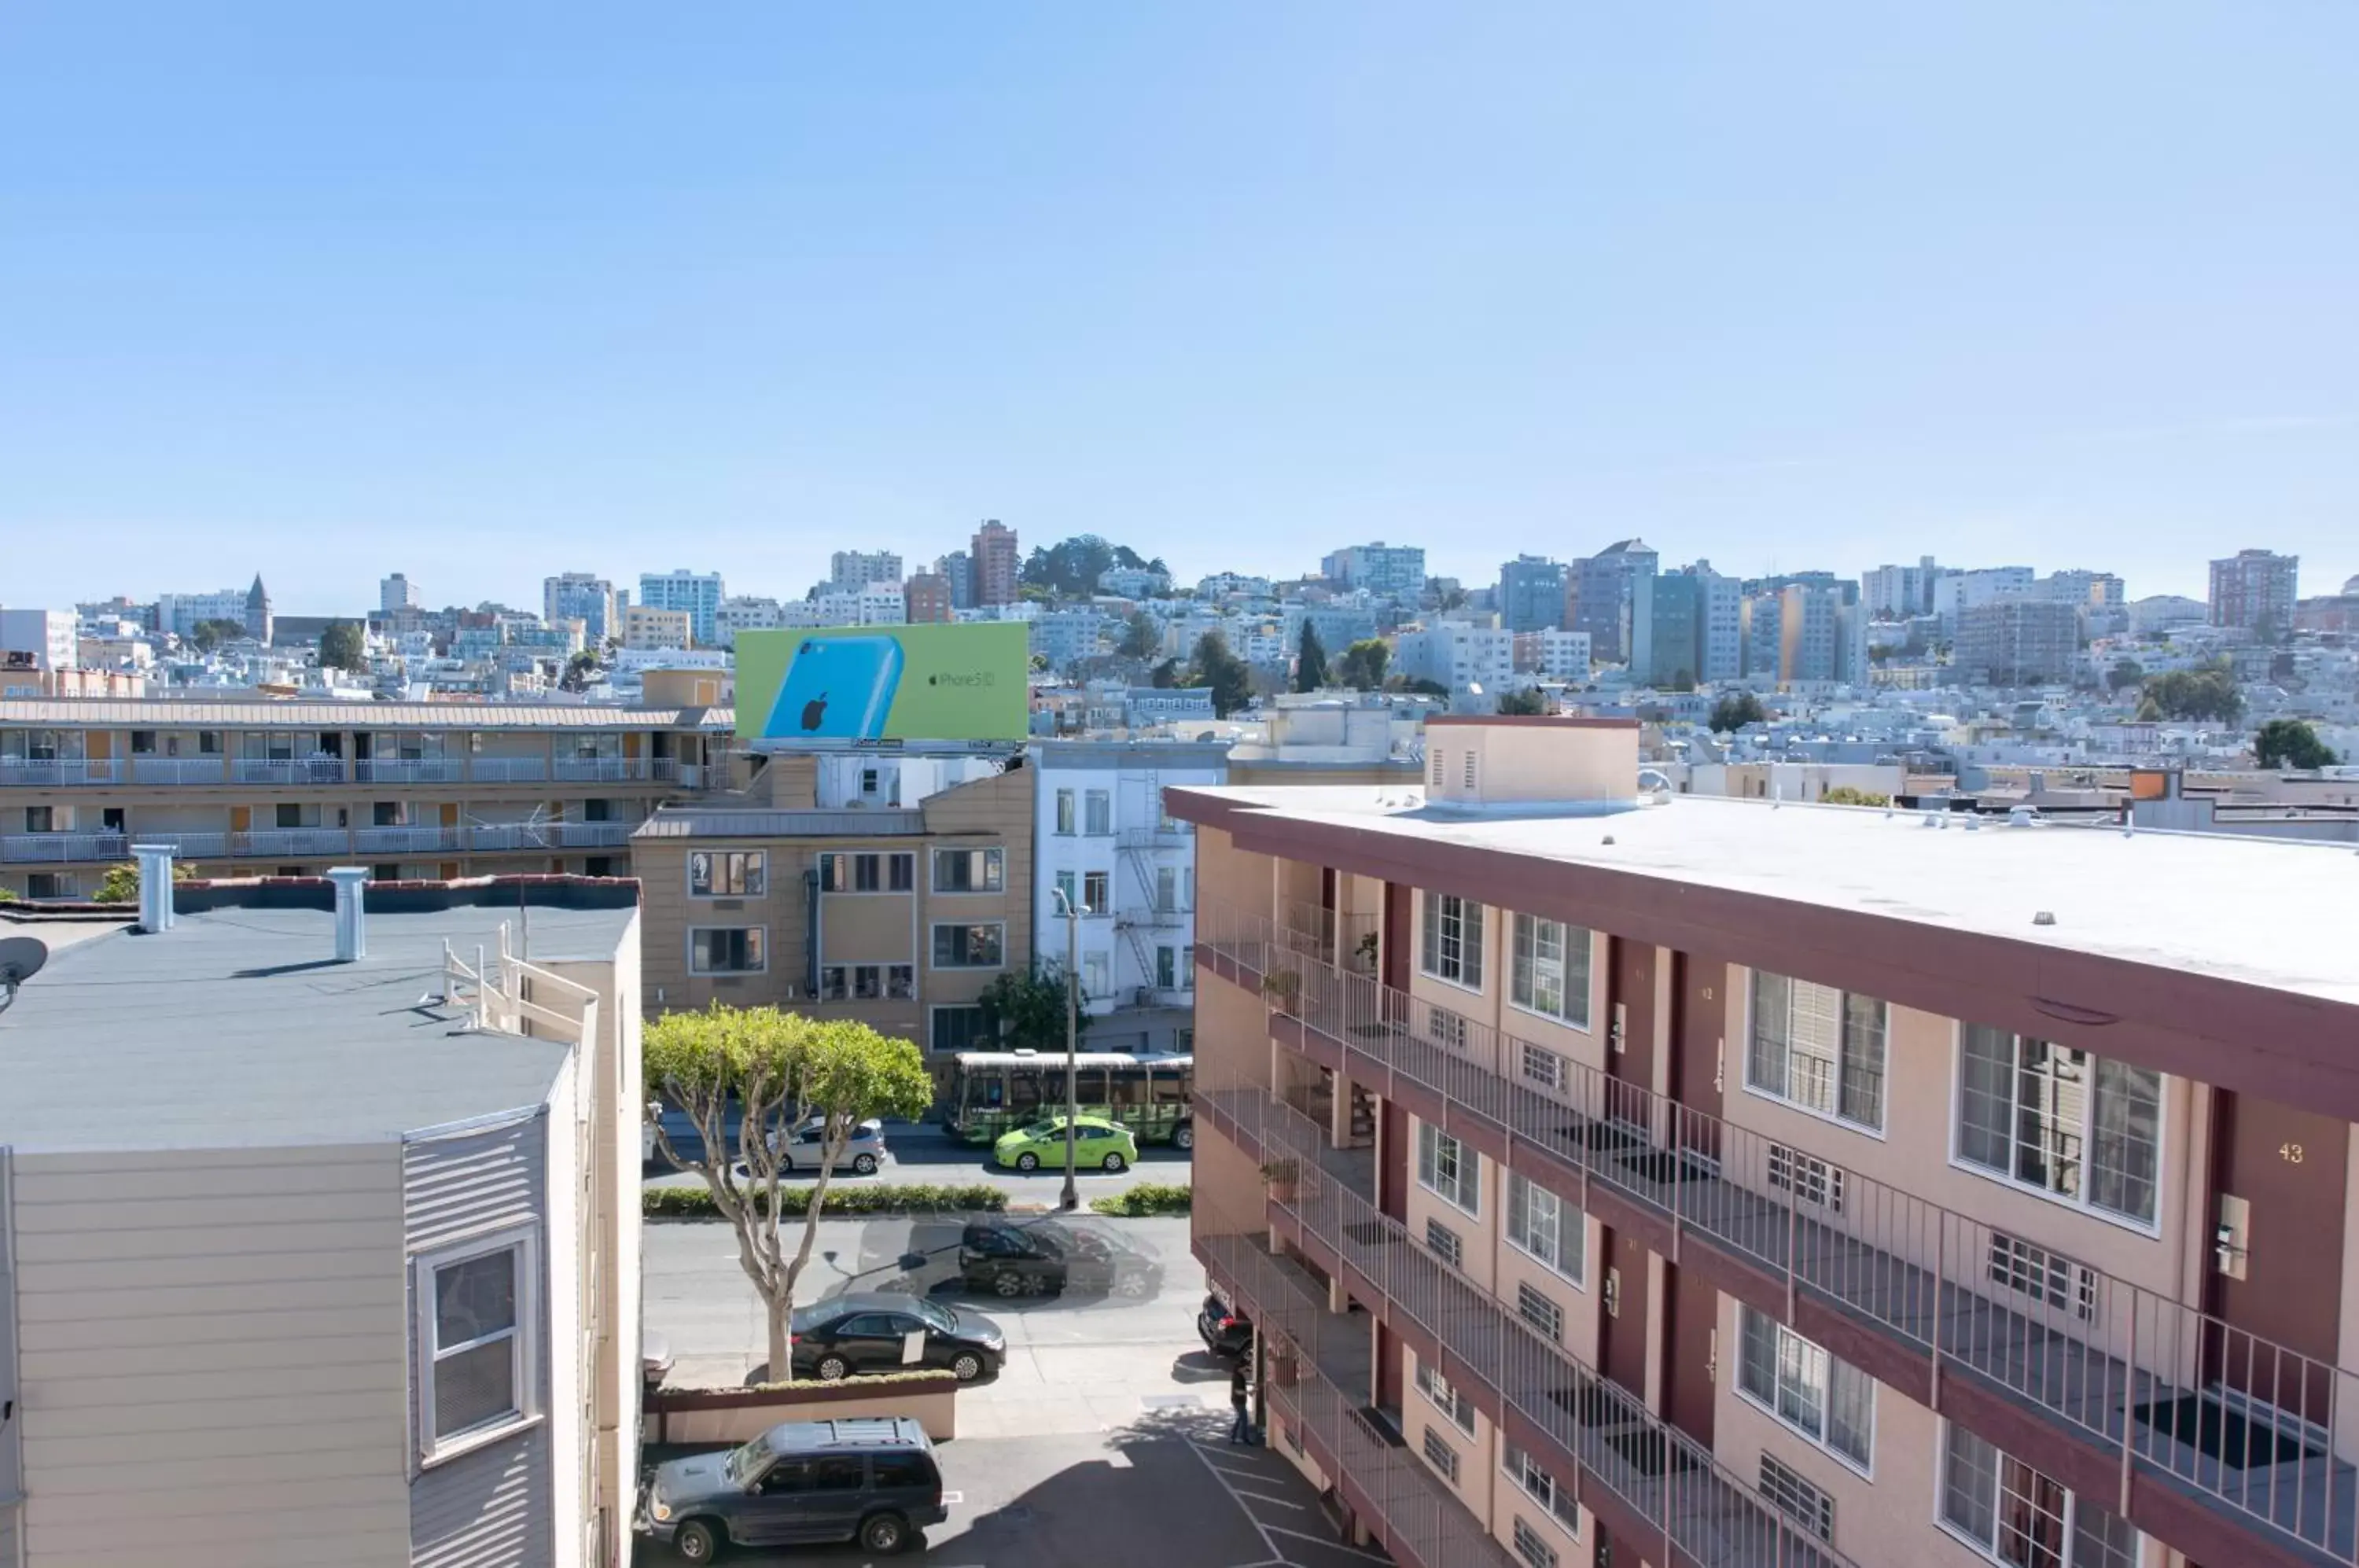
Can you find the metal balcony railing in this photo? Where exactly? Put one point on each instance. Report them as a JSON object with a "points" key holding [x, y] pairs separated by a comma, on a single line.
{"points": [[320, 769], [301, 843], [1706, 1511], [407, 771], [32, 772], [2177, 1394], [179, 771], [507, 769], [405, 840], [63, 849], [605, 770]]}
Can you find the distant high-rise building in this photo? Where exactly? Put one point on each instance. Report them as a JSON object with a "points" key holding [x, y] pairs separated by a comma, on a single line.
{"points": [[930, 596], [1896, 592], [2255, 590], [1955, 592], [1604, 594], [397, 593], [854, 569], [958, 569], [1720, 623], [1808, 636], [698, 593], [1395, 571], [1760, 621], [1665, 621], [2017, 642], [257, 611], [1532, 594], [582, 596], [38, 639], [997, 564]]}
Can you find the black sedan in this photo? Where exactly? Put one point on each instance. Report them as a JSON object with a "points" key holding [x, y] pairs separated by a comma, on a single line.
{"points": [[1227, 1332], [875, 1332], [1012, 1257]]}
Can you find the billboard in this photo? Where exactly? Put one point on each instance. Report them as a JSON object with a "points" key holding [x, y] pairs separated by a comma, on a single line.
{"points": [[841, 687]]}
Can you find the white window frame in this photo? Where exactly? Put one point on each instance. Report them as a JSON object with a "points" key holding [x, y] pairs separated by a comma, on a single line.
{"points": [[524, 1241], [1522, 1192], [1445, 1396], [1834, 1117], [753, 860], [1464, 1191], [994, 863], [1529, 1546], [2081, 1202], [1440, 1453], [1519, 925], [1097, 805], [933, 945], [1067, 821], [1987, 1547], [1804, 1351], [1429, 961], [1519, 1465], [761, 968]]}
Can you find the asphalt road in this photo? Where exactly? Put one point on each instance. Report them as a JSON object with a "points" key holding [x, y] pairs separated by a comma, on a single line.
{"points": [[925, 1153]]}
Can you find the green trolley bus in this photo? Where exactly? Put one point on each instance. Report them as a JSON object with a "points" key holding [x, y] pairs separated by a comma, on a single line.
{"points": [[993, 1091]]}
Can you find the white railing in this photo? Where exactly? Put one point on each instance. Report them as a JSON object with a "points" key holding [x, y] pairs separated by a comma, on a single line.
{"points": [[501, 993], [39, 772], [61, 848], [292, 841], [320, 769], [605, 770], [179, 771], [593, 834], [508, 769], [404, 839], [407, 771]]}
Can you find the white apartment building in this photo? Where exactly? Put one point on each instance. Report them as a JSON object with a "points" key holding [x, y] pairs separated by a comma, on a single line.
{"points": [[1955, 592], [40, 639], [745, 613], [1553, 655], [582, 596], [1101, 839], [647, 627], [856, 569], [397, 593], [1458, 654], [698, 593]]}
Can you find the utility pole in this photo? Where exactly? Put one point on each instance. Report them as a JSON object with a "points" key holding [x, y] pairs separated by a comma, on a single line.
{"points": [[1072, 913]]}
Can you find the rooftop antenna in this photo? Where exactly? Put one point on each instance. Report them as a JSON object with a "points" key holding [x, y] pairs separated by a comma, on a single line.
{"points": [[21, 958]]}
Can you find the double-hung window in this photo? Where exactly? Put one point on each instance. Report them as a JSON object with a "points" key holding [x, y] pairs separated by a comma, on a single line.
{"points": [[1454, 940], [1817, 1048], [2078, 1127], [969, 946], [1552, 970], [726, 950], [1829, 1401], [727, 874], [1540, 1486], [2014, 1515], [1097, 806], [1065, 811], [475, 1342], [1537, 1224], [968, 870], [1450, 1401], [1448, 1169]]}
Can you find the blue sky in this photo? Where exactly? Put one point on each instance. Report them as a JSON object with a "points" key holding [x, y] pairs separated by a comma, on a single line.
{"points": [[481, 292]]}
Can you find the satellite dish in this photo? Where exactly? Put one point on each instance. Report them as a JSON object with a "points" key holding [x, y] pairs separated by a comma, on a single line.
{"points": [[21, 958]]}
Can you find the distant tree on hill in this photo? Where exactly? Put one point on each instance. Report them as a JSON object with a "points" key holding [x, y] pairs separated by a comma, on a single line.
{"points": [[1309, 661], [1229, 677], [578, 671], [1736, 710], [1527, 703], [1070, 568], [207, 635], [1845, 795], [2207, 691], [2125, 673], [1166, 675], [1140, 636], [342, 647], [1362, 667], [2292, 743]]}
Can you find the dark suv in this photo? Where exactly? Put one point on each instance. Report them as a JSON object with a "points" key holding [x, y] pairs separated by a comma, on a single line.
{"points": [[872, 1481], [1227, 1332], [1023, 1257]]}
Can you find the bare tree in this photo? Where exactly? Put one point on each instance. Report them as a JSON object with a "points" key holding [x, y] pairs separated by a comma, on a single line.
{"points": [[773, 1071]]}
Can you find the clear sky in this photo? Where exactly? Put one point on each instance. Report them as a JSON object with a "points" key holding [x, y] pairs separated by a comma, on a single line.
{"points": [[486, 292]]}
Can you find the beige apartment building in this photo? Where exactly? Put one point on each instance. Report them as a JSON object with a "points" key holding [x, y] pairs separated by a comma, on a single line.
{"points": [[896, 915], [412, 791], [1717, 1181]]}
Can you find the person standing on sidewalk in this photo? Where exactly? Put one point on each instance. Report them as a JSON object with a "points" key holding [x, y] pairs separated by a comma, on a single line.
{"points": [[1241, 1431]]}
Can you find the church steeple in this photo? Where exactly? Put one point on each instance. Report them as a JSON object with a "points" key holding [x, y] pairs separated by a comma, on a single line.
{"points": [[257, 611]]}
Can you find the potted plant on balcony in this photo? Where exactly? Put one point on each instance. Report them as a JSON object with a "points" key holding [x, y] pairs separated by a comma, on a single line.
{"points": [[1283, 1177], [1283, 988]]}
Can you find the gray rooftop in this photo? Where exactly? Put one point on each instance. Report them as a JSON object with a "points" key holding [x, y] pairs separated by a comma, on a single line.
{"points": [[238, 1028]]}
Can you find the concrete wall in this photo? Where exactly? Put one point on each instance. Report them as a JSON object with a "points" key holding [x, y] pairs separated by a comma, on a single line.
{"points": [[203, 1329]]}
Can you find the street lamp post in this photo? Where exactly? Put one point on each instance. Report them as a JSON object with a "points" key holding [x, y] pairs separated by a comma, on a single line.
{"points": [[1072, 913]]}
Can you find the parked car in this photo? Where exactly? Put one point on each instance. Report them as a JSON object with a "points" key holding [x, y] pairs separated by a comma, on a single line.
{"points": [[1022, 1258], [1227, 1332], [876, 1330], [655, 1358], [1097, 1142], [863, 1150], [872, 1481], [687, 1139]]}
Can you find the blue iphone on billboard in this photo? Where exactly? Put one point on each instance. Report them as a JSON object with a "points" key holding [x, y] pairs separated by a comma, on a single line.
{"points": [[837, 688]]}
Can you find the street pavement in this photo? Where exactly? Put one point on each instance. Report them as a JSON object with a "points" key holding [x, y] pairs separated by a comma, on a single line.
{"points": [[926, 1153]]}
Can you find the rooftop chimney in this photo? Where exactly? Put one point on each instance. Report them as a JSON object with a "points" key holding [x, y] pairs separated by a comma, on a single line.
{"points": [[155, 886], [351, 912]]}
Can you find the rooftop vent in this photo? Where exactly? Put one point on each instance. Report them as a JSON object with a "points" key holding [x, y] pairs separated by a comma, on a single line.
{"points": [[352, 911], [155, 886]]}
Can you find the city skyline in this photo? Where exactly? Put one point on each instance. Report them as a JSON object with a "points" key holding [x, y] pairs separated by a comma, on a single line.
{"points": [[1776, 291]]}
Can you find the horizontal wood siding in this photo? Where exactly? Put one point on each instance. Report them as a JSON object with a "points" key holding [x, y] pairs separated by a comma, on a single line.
{"points": [[490, 1509], [199, 1330]]}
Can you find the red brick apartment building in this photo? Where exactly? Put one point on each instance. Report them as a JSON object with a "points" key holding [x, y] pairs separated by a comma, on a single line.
{"points": [[1616, 1178]]}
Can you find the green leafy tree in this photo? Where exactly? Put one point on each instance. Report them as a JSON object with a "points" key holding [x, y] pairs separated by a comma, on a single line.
{"points": [[776, 1070], [1417, 686], [1846, 795], [207, 635], [1362, 667], [1025, 1011], [120, 884], [1140, 636], [1527, 703], [1070, 568], [2292, 743], [2125, 674], [2207, 691], [578, 671], [1166, 675], [1230, 677], [342, 647], [1309, 661], [1736, 710]]}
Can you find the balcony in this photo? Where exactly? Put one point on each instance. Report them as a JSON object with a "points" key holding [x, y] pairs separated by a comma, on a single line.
{"points": [[320, 769], [607, 769], [407, 771], [296, 843], [1944, 1308], [404, 839], [50, 773], [1172, 836], [508, 769], [63, 849], [179, 771], [1317, 1386]]}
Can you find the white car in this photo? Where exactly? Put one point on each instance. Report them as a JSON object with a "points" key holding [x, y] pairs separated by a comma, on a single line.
{"points": [[863, 1151]]}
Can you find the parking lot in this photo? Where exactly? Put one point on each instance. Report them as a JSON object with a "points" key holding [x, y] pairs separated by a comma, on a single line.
{"points": [[1102, 1442], [926, 1152]]}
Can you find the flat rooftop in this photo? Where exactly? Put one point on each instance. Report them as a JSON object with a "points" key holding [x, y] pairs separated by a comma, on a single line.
{"points": [[2274, 914], [238, 1028]]}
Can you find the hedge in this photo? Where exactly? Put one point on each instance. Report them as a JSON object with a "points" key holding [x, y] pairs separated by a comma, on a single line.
{"points": [[696, 1202], [1147, 1198]]}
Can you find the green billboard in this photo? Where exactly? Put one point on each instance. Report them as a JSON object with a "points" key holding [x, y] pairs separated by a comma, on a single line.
{"points": [[843, 686]]}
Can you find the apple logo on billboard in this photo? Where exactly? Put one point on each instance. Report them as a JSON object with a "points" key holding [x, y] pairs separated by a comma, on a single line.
{"points": [[813, 711]]}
